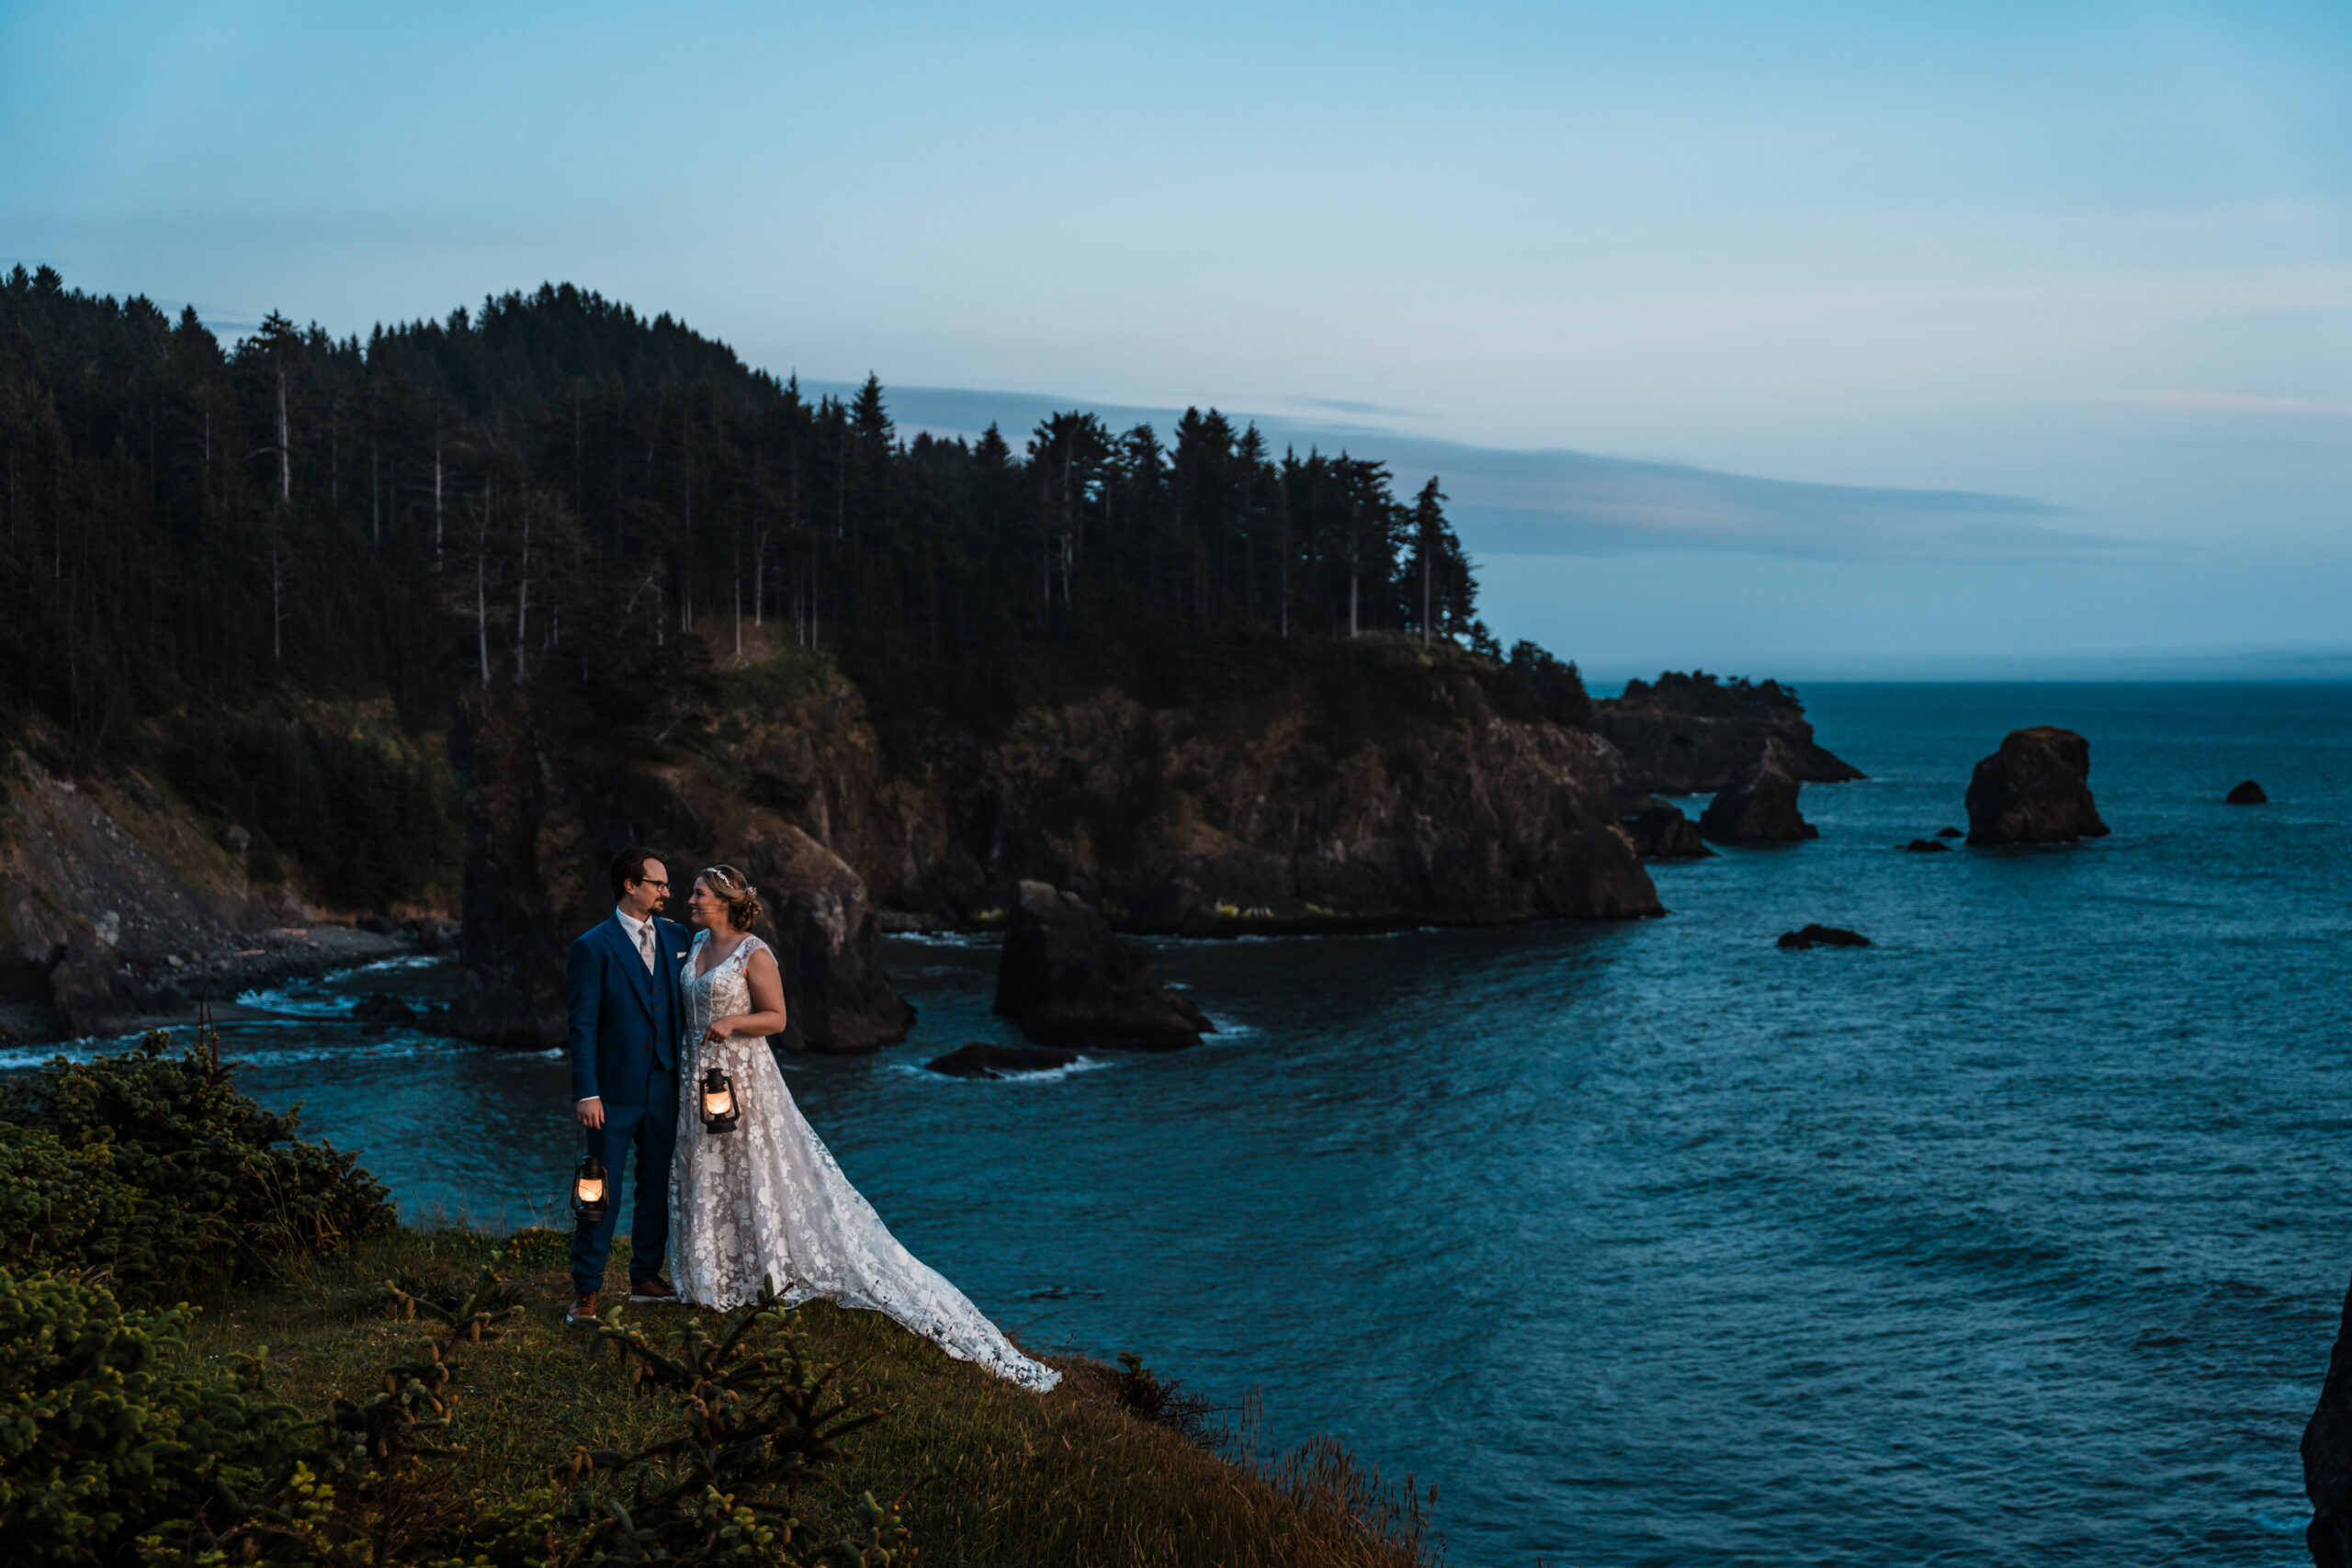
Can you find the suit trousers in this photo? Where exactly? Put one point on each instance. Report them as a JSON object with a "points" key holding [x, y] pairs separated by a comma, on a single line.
{"points": [[651, 1130]]}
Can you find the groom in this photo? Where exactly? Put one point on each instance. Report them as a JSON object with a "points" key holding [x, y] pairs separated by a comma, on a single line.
{"points": [[625, 1014]]}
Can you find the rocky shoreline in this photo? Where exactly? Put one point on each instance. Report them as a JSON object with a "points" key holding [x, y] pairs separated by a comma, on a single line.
{"points": [[1276, 814]]}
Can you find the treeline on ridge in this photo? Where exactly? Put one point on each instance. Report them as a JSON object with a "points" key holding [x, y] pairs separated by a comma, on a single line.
{"points": [[265, 568]]}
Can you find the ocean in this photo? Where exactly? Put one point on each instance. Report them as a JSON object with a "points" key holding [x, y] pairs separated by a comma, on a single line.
{"points": [[2018, 1237]]}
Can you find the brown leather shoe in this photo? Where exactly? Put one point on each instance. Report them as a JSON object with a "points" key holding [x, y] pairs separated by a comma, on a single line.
{"points": [[583, 1309], [655, 1291]]}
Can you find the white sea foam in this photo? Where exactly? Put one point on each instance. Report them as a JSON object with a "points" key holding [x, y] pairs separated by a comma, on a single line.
{"points": [[1006, 1074]]}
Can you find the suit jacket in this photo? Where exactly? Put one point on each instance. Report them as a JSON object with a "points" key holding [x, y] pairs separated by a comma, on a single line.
{"points": [[624, 1020]]}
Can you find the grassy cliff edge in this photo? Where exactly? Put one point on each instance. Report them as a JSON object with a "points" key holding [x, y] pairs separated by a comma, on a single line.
{"points": [[982, 1471]]}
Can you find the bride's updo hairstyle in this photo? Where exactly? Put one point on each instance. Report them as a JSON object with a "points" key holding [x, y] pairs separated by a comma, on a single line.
{"points": [[743, 899]]}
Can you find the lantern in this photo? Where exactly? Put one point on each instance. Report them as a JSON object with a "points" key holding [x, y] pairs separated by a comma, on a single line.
{"points": [[588, 1189], [720, 1111]]}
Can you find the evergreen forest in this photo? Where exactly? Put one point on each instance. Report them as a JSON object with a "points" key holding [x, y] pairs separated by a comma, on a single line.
{"points": [[267, 568]]}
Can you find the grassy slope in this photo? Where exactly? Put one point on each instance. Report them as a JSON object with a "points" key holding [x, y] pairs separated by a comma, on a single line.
{"points": [[990, 1474]]}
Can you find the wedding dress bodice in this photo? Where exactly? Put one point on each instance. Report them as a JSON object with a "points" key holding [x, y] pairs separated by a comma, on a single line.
{"points": [[767, 1200]]}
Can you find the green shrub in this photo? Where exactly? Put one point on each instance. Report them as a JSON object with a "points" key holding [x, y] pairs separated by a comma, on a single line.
{"points": [[66, 1206], [756, 1418], [152, 1167], [102, 1434]]}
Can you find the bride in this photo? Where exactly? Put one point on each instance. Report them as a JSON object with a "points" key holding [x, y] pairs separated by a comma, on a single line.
{"points": [[765, 1199]]}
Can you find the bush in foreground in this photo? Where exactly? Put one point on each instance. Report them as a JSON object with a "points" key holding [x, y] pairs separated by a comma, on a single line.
{"points": [[150, 1167]]}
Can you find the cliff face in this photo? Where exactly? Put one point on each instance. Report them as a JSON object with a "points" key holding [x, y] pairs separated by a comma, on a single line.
{"points": [[1172, 822], [114, 906], [543, 821], [1689, 735]]}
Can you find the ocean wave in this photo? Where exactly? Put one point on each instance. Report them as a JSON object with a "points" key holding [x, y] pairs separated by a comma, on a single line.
{"points": [[1007, 1075]]}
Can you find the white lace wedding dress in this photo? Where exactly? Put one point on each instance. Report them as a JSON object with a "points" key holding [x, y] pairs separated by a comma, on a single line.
{"points": [[766, 1199]]}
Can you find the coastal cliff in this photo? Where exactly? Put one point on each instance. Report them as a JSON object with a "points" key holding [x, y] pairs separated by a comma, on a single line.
{"points": [[1690, 734], [1287, 811], [1183, 821], [120, 903]]}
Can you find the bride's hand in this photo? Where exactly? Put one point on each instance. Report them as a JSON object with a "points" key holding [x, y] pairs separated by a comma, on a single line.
{"points": [[720, 1029]]}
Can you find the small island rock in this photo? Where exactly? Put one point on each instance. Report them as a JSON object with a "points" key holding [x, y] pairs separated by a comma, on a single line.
{"points": [[1068, 980], [982, 1059], [1948, 833], [2247, 794], [1660, 831], [1759, 804], [1929, 847], [2327, 1455], [1823, 936], [2034, 790]]}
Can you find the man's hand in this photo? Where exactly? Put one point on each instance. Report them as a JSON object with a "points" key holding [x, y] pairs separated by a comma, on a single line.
{"points": [[592, 1113]]}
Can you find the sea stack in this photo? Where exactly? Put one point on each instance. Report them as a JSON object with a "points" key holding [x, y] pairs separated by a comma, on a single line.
{"points": [[1660, 831], [1068, 980], [1759, 804], [2327, 1456], [1817, 935], [2034, 790], [2247, 794]]}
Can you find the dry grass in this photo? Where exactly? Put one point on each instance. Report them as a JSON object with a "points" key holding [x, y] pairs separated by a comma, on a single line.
{"points": [[988, 1474]]}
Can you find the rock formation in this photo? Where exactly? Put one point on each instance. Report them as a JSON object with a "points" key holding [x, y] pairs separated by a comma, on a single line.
{"points": [[2247, 794], [1068, 980], [542, 824], [1948, 833], [2034, 790], [1190, 822], [1660, 831], [1759, 804], [981, 1059], [115, 907], [1929, 847], [827, 943], [1687, 734], [1821, 936], [2327, 1456]]}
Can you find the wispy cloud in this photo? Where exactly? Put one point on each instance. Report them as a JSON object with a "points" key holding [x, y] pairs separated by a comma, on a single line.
{"points": [[1562, 502], [1578, 503], [2224, 403]]}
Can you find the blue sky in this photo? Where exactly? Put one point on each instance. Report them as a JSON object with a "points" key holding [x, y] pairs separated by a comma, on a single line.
{"points": [[1803, 339]]}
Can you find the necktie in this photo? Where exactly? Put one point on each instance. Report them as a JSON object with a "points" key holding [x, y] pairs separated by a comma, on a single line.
{"points": [[645, 945]]}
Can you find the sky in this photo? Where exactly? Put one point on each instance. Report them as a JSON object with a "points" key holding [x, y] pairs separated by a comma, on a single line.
{"points": [[1812, 340]]}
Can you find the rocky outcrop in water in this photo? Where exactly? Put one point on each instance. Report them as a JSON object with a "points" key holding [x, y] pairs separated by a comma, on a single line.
{"points": [[982, 1059], [1660, 831], [2247, 793], [1821, 936], [1929, 847], [1066, 979], [827, 943], [1209, 824], [1759, 804], [1690, 734], [543, 821], [2327, 1456], [2034, 790]]}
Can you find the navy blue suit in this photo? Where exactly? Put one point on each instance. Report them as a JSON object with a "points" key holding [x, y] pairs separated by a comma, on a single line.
{"points": [[624, 1024]]}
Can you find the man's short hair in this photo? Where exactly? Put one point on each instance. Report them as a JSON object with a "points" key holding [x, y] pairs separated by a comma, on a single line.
{"points": [[629, 866]]}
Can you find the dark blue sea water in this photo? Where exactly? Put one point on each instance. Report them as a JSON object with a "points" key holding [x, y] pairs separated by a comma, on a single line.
{"points": [[2017, 1238]]}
